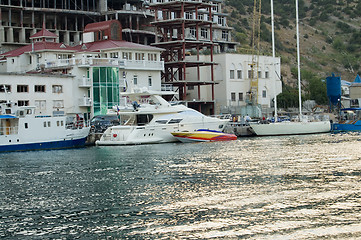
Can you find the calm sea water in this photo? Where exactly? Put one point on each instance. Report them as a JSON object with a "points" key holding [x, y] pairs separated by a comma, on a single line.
{"points": [[296, 187]]}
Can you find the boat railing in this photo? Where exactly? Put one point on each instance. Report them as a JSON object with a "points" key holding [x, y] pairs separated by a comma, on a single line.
{"points": [[77, 124], [8, 130]]}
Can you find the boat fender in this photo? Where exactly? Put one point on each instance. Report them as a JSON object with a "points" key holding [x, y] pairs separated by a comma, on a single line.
{"points": [[115, 135]]}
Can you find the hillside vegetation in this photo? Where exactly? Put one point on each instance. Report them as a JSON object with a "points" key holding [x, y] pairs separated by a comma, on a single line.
{"points": [[330, 40]]}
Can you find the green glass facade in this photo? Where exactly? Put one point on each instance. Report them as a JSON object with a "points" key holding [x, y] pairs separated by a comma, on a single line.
{"points": [[105, 89]]}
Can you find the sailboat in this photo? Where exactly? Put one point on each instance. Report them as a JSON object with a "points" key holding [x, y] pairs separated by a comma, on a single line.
{"points": [[291, 128]]}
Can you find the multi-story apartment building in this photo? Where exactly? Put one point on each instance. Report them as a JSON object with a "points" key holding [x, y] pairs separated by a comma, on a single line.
{"points": [[86, 78]]}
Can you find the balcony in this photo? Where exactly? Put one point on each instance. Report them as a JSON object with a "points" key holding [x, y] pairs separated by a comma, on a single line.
{"points": [[84, 82], [106, 62], [143, 64], [84, 102], [167, 88]]}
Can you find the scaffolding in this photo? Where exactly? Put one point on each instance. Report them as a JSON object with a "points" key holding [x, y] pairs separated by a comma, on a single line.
{"points": [[178, 26]]}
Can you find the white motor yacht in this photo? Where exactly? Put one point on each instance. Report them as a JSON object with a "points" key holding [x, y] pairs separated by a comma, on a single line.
{"points": [[146, 117]]}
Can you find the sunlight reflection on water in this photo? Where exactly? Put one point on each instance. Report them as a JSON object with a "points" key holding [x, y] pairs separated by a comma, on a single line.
{"points": [[295, 187]]}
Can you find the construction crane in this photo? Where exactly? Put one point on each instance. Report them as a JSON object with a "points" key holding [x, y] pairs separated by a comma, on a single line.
{"points": [[256, 33]]}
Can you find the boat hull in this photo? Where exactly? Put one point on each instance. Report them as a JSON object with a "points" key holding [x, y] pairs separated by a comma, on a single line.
{"points": [[351, 126], [73, 143], [291, 128], [203, 136]]}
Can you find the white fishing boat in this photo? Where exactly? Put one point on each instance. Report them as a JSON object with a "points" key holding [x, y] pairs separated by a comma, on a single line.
{"points": [[146, 117], [304, 126], [22, 130]]}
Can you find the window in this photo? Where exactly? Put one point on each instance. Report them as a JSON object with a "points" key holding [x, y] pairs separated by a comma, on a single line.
{"points": [[266, 74], [57, 88], [40, 104], [189, 15], [233, 97], [239, 74], [23, 88], [221, 21], [175, 120], [161, 121], [264, 93], [64, 56], [139, 56], [240, 96], [39, 88], [192, 31], [190, 87], [250, 74], [127, 55], [204, 32], [225, 35], [114, 55], [200, 16], [58, 104], [231, 74], [5, 88], [23, 103], [152, 57], [259, 74], [26, 125], [149, 81], [135, 80]]}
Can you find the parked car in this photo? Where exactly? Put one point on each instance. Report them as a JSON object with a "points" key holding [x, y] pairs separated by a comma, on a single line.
{"points": [[279, 119], [100, 123]]}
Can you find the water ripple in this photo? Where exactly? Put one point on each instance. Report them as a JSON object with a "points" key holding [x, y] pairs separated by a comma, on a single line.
{"points": [[296, 187]]}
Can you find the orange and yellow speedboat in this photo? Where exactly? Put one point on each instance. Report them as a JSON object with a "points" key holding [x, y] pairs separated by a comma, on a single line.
{"points": [[203, 135]]}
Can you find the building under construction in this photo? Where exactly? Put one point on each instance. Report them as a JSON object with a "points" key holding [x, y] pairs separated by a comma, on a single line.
{"points": [[186, 28], [67, 18]]}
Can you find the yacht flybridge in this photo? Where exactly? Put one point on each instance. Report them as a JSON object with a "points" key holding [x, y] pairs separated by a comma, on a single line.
{"points": [[146, 117]]}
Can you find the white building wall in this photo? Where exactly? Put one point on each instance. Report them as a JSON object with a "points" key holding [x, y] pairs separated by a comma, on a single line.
{"points": [[70, 92], [143, 79], [223, 91]]}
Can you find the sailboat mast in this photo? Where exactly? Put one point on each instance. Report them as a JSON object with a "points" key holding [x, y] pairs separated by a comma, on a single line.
{"points": [[274, 55], [298, 62]]}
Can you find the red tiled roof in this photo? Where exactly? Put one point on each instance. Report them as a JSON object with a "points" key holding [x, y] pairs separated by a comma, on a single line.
{"points": [[98, 26], [90, 47], [39, 46], [44, 33], [111, 44]]}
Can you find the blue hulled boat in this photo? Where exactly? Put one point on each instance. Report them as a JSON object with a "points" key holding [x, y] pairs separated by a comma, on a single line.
{"points": [[22, 130], [350, 121]]}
